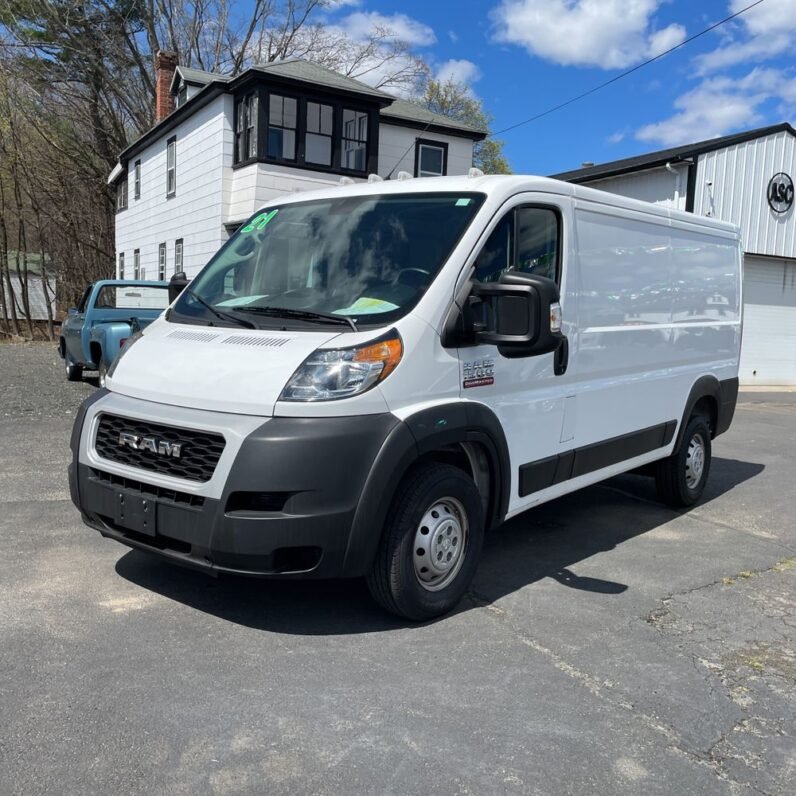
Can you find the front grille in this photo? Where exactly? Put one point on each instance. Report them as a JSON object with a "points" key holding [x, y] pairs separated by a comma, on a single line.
{"points": [[198, 457], [148, 490]]}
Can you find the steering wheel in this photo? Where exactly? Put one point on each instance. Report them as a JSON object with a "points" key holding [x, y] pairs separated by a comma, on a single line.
{"points": [[417, 276]]}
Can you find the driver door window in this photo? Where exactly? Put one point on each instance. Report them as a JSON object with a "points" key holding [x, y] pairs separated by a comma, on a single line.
{"points": [[526, 239]]}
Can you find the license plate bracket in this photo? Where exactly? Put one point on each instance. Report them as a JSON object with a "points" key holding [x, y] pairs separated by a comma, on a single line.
{"points": [[136, 514]]}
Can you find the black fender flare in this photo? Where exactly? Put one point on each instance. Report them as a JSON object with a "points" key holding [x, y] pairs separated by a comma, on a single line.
{"points": [[406, 443], [724, 393]]}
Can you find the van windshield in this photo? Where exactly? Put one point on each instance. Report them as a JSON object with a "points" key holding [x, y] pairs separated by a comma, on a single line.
{"points": [[366, 259]]}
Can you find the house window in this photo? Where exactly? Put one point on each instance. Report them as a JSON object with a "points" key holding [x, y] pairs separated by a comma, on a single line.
{"points": [[182, 94], [171, 167], [137, 180], [137, 264], [355, 140], [162, 261], [318, 138], [178, 255], [246, 128], [121, 265], [431, 159], [282, 123], [121, 195]]}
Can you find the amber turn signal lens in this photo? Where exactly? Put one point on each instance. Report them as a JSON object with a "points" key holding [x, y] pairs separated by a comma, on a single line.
{"points": [[388, 352]]}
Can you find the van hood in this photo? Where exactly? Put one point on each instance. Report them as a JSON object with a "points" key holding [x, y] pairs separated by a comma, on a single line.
{"points": [[209, 367]]}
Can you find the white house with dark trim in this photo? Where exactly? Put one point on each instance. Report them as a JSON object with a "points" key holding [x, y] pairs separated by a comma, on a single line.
{"points": [[223, 146], [748, 179]]}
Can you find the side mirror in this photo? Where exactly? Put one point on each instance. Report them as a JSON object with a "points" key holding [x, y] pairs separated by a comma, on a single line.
{"points": [[71, 311], [177, 284], [520, 314]]}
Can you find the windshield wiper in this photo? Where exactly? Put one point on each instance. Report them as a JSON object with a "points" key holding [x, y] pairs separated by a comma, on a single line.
{"points": [[307, 315], [224, 316]]}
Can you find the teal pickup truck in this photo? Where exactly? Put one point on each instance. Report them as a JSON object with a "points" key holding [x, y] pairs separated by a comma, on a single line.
{"points": [[108, 314]]}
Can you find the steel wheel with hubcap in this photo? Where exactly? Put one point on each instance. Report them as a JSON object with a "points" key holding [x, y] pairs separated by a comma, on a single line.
{"points": [[431, 543], [681, 478]]}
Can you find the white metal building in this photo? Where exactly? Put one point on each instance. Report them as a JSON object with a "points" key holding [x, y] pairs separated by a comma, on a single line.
{"points": [[747, 178], [223, 146]]}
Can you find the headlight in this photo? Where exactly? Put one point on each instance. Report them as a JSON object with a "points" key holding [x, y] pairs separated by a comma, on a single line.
{"points": [[128, 344], [326, 375]]}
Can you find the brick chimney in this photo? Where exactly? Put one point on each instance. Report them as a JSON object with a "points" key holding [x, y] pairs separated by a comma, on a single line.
{"points": [[165, 64]]}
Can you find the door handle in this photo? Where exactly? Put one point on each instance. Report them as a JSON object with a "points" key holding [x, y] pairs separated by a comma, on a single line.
{"points": [[561, 358]]}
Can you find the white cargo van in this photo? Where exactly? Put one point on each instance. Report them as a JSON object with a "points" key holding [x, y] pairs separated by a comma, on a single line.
{"points": [[365, 380]]}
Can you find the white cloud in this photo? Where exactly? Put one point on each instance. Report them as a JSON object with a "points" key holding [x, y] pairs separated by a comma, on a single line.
{"points": [[720, 105], [610, 34], [616, 138], [766, 31], [458, 71], [361, 23]]}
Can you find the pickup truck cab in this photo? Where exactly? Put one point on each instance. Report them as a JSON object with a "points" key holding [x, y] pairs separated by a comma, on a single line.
{"points": [[366, 379], [109, 313]]}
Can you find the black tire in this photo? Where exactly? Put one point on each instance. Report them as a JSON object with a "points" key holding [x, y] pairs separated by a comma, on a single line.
{"points": [[73, 372], [394, 581], [675, 477]]}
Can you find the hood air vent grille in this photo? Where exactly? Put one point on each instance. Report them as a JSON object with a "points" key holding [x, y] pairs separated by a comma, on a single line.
{"points": [[246, 339]]}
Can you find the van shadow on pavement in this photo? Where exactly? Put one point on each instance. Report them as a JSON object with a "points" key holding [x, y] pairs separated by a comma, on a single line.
{"points": [[543, 542]]}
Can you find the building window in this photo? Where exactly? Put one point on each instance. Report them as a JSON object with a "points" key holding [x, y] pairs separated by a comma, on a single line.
{"points": [[121, 265], [318, 138], [182, 94], [137, 264], [246, 128], [282, 123], [121, 195], [355, 140], [171, 167], [178, 255], [162, 261], [137, 180], [431, 159]]}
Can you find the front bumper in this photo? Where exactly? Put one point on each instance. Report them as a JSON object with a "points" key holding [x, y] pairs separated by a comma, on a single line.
{"points": [[282, 502]]}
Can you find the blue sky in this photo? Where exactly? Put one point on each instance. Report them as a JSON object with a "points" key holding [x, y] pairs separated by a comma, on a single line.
{"points": [[523, 56]]}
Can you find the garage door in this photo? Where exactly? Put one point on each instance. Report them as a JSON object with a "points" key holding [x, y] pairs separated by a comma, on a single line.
{"points": [[768, 353]]}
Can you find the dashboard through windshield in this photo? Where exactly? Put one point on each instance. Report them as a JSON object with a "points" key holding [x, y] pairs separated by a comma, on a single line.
{"points": [[353, 261]]}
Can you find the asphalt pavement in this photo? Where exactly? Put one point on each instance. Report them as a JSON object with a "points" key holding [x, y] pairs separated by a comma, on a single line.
{"points": [[608, 645]]}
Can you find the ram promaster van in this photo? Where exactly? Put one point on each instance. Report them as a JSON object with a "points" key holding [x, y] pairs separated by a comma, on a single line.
{"points": [[366, 379]]}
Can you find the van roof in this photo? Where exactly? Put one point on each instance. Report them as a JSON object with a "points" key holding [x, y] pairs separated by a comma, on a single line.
{"points": [[500, 188]]}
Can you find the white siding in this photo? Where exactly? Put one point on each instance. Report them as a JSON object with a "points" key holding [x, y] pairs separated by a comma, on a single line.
{"points": [[196, 212], [254, 185], [658, 186], [397, 150], [740, 175], [36, 297], [768, 352]]}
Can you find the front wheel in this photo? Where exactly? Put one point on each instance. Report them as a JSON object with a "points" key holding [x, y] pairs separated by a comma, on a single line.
{"points": [[73, 372], [431, 544], [681, 478]]}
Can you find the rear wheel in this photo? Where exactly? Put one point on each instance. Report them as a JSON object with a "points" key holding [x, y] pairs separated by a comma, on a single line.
{"points": [[681, 478], [73, 372], [431, 544]]}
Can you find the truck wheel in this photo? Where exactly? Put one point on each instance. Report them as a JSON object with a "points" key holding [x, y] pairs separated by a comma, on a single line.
{"points": [[73, 372], [431, 543], [681, 478], [102, 372]]}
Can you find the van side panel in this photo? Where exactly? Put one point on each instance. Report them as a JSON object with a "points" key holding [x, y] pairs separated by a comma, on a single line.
{"points": [[625, 353], [659, 308]]}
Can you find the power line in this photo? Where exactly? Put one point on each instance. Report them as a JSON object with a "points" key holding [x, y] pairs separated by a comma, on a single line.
{"points": [[627, 72]]}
